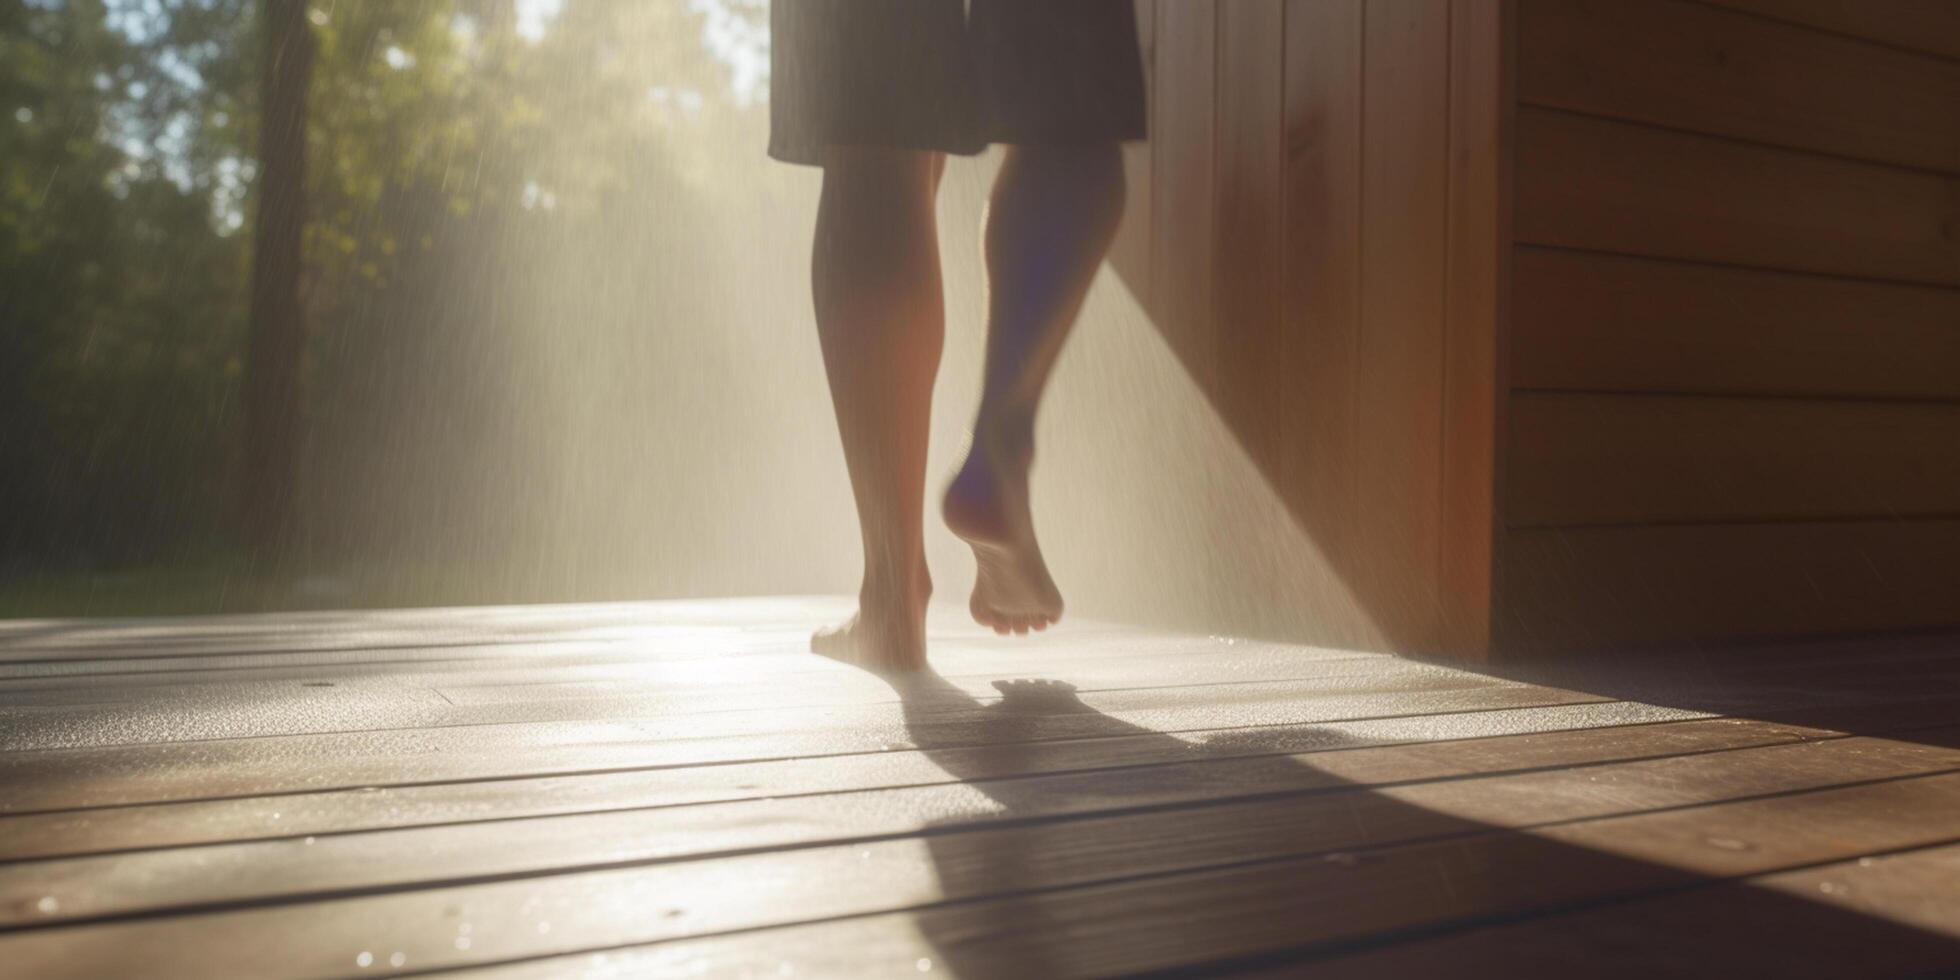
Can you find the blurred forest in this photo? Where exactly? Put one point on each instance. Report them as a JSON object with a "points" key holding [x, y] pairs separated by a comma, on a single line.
{"points": [[493, 189]]}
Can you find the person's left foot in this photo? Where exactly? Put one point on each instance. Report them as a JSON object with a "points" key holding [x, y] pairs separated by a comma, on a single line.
{"points": [[987, 506]]}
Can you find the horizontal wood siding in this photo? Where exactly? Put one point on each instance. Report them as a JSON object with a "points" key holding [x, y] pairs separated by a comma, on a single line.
{"points": [[1598, 322], [1633, 586], [1686, 65], [1627, 459], [1929, 26], [1735, 350], [1618, 187]]}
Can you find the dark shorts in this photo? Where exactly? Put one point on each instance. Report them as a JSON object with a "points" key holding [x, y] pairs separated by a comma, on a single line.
{"points": [[934, 75]]}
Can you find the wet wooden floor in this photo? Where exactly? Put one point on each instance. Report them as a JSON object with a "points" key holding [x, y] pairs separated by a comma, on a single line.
{"points": [[676, 789]]}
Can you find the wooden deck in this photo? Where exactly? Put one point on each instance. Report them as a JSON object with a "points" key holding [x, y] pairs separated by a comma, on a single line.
{"points": [[676, 789]]}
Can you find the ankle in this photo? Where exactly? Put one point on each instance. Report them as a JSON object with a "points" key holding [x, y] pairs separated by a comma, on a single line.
{"points": [[888, 589], [1005, 435]]}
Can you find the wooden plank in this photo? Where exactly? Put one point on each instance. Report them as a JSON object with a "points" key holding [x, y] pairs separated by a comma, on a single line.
{"points": [[1626, 459], [1343, 898], [1404, 255], [288, 710], [1618, 187], [1198, 664], [1931, 26], [705, 627], [1630, 586], [1401, 809], [1680, 758], [1889, 915], [1546, 738], [1321, 268], [1690, 66], [296, 814], [1382, 798], [1478, 273], [1183, 183], [763, 650], [123, 775], [1590, 322], [798, 681], [1138, 921], [175, 669]]}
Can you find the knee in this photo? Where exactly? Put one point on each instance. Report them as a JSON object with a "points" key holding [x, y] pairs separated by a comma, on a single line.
{"points": [[1089, 175], [876, 172]]}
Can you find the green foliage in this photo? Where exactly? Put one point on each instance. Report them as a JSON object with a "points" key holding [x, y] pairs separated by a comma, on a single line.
{"points": [[120, 300], [469, 191]]}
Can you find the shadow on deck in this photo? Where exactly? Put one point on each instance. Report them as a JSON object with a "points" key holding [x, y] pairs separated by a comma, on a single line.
{"points": [[675, 788]]}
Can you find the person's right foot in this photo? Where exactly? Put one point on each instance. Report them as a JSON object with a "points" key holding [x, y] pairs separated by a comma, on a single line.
{"points": [[987, 506], [887, 635]]}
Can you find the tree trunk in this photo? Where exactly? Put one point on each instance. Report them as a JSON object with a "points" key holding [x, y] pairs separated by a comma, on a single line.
{"points": [[278, 330]]}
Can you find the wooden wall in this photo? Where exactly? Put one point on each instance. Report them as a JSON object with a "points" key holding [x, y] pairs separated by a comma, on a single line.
{"points": [[1734, 401], [1576, 323], [1314, 230]]}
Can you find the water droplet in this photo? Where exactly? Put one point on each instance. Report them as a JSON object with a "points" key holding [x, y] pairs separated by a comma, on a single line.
{"points": [[462, 942], [365, 960], [1729, 844], [398, 959], [309, 840], [924, 965], [1866, 862], [48, 905], [1830, 888], [544, 927]]}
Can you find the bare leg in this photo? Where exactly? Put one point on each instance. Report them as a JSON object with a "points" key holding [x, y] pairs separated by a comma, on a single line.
{"points": [[1053, 215], [881, 322]]}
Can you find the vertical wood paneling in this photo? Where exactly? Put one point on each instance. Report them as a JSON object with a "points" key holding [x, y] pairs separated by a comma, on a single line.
{"points": [[1130, 255], [1246, 266], [1404, 256], [1321, 265], [1324, 261], [1479, 273], [1182, 177]]}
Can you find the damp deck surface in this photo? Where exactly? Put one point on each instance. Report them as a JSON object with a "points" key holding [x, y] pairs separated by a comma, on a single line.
{"points": [[678, 789]]}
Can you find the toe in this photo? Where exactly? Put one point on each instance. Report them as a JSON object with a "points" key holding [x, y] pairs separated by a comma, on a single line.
{"points": [[827, 640]]}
